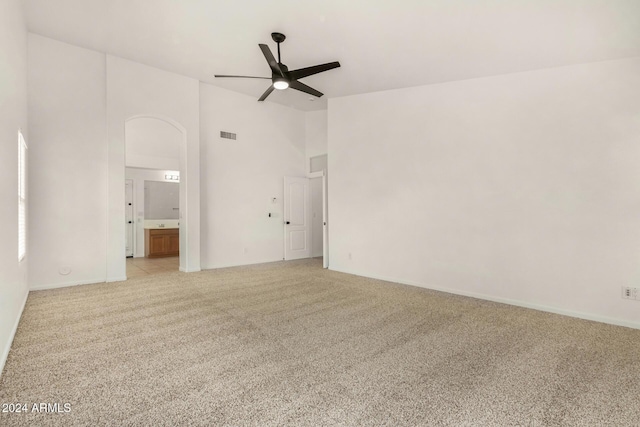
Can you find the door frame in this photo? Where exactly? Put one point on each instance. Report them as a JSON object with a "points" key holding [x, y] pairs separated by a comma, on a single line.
{"points": [[325, 217], [133, 220]]}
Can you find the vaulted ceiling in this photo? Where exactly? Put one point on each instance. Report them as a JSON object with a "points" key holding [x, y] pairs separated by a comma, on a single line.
{"points": [[381, 44]]}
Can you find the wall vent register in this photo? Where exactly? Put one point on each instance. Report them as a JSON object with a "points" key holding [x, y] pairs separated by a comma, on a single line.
{"points": [[227, 135]]}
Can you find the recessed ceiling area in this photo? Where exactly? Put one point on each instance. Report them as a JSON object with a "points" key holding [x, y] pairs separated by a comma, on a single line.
{"points": [[381, 45]]}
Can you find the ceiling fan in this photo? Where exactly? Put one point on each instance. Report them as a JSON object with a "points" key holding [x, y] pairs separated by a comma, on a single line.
{"points": [[281, 77]]}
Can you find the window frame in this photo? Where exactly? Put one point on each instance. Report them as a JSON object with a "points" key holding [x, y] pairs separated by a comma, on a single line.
{"points": [[22, 197]]}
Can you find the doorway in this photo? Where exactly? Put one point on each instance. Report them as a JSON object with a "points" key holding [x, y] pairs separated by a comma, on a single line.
{"points": [[153, 149], [156, 221], [317, 217], [305, 218]]}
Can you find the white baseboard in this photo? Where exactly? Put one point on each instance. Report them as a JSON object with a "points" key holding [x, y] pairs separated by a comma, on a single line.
{"points": [[75, 283], [185, 270], [266, 261], [5, 351], [518, 303], [116, 279]]}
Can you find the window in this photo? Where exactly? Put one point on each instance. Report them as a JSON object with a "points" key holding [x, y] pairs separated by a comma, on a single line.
{"points": [[22, 197]]}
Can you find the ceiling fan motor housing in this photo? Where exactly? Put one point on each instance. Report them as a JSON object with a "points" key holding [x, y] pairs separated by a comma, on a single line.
{"points": [[275, 77]]}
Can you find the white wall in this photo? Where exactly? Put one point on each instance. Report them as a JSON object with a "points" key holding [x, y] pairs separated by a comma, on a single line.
{"points": [[79, 103], [240, 177], [139, 176], [13, 117], [522, 187], [315, 135], [152, 143], [68, 164], [316, 144], [135, 90]]}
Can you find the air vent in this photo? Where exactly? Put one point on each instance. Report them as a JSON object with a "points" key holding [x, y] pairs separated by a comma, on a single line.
{"points": [[227, 135]]}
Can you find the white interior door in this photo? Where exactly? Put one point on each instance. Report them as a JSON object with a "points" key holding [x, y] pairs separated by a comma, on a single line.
{"points": [[128, 216], [297, 218], [325, 224]]}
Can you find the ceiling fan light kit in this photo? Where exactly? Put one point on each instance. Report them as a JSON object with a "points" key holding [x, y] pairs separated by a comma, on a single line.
{"points": [[281, 77], [280, 83]]}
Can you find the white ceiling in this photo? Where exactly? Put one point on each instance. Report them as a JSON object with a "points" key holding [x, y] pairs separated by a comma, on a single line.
{"points": [[381, 44]]}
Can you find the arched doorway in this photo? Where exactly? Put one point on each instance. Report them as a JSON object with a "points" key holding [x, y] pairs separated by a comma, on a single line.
{"points": [[155, 151]]}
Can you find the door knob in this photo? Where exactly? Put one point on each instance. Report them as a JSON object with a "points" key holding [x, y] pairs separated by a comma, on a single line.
{"points": [[288, 222]]}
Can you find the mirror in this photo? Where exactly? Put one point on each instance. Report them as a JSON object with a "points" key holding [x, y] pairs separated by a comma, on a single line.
{"points": [[161, 200]]}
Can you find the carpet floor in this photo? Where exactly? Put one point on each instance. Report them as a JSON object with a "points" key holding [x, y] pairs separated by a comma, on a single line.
{"points": [[289, 343]]}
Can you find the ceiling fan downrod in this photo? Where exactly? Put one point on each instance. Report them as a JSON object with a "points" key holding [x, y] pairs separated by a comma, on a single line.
{"points": [[278, 38]]}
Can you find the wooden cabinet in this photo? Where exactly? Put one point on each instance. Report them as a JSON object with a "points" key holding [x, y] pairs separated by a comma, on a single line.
{"points": [[161, 242]]}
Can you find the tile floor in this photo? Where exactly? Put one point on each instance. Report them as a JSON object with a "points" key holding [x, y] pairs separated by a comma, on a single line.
{"points": [[138, 267]]}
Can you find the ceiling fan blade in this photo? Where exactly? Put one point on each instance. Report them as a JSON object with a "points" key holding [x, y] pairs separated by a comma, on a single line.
{"points": [[304, 72], [271, 60], [242, 77], [266, 93], [304, 88]]}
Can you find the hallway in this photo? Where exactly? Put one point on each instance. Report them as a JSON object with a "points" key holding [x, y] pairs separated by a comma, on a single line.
{"points": [[140, 267]]}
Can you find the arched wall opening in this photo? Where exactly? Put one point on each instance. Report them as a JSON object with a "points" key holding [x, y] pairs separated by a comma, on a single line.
{"points": [[153, 147], [143, 132]]}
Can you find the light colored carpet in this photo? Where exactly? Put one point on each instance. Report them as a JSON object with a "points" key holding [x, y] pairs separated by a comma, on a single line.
{"points": [[292, 344]]}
